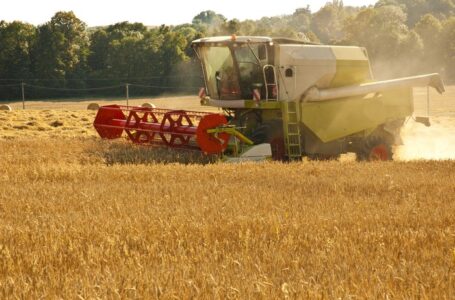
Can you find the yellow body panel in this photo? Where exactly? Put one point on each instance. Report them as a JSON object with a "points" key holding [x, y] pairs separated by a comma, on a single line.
{"points": [[351, 72], [331, 120], [352, 66]]}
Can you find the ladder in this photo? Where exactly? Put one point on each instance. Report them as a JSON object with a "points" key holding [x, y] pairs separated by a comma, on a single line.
{"points": [[291, 129]]}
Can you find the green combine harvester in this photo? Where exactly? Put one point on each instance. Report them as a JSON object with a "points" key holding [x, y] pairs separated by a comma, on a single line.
{"points": [[282, 98]]}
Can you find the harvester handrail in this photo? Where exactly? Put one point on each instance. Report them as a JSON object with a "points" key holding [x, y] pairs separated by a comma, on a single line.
{"points": [[275, 83]]}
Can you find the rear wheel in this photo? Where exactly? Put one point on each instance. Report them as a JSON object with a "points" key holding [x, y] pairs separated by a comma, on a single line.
{"points": [[271, 132], [278, 148], [375, 148]]}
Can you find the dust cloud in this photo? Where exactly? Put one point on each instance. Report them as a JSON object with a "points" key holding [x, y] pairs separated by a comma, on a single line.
{"points": [[420, 142]]}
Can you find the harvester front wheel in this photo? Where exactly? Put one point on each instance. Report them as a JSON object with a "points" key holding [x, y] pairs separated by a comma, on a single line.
{"points": [[271, 132], [375, 148], [323, 157]]}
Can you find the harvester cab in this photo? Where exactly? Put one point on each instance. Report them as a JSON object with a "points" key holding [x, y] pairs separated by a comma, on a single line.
{"points": [[281, 98], [237, 69]]}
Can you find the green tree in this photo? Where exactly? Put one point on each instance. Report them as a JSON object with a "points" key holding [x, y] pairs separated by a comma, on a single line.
{"points": [[448, 46], [415, 9], [300, 20], [327, 22], [391, 45], [190, 33], [276, 27], [99, 46], [209, 22], [231, 27], [429, 29], [247, 27], [312, 37], [16, 40], [124, 51], [62, 49], [172, 50]]}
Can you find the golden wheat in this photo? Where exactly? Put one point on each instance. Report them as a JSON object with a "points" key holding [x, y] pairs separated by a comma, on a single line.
{"points": [[85, 218], [79, 221]]}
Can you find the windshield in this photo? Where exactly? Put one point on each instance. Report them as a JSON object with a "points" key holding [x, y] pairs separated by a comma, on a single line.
{"points": [[233, 72], [222, 78]]}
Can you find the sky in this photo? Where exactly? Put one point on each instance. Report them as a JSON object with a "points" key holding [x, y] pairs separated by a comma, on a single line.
{"points": [[148, 12]]}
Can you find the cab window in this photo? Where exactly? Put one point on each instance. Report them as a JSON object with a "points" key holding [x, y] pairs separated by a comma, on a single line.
{"points": [[222, 77]]}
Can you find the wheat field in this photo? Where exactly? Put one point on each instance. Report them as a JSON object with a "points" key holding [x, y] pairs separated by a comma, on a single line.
{"points": [[82, 218]]}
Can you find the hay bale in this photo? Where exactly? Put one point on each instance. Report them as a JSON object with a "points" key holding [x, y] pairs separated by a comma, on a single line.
{"points": [[148, 104], [56, 123], [93, 106], [5, 107]]}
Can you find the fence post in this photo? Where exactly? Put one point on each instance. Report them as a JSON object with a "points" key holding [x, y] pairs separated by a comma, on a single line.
{"points": [[23, 94], [127, 94]]}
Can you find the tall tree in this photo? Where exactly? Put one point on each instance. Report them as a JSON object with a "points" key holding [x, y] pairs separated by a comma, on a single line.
{"points": [[190, 33], [62, 49], [300, 20], [123, 50], [383, 31], [16, 40], [429, 29], [448, 37], [172, 50], [275, 26], [99, 46], [209, 22], [415, 9], [231, 27], [327, 22]]}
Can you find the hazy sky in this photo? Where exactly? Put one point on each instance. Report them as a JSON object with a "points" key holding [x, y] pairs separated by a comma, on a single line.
{"points": [[170, 12]]}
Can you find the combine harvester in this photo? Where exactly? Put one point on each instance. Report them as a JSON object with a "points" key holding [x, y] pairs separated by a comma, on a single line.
{"points": [[280, 98]]}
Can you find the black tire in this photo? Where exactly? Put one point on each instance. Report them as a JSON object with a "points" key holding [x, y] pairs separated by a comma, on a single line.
{"points": [[322, 157], [375, 148], [261, 134], [271, 132]]}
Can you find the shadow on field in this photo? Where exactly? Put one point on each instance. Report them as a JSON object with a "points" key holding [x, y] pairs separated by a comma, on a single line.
{"points": [[127, 153]]}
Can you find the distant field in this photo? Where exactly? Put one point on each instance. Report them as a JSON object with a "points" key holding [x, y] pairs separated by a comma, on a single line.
{"points": [[85, 218]]}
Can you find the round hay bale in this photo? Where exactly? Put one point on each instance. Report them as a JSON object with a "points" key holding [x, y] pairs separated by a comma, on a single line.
{"points": [[93, 106], [56, 123], [148, 104], [5, 107]]}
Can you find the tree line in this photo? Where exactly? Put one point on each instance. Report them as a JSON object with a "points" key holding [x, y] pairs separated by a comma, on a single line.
{"points": [[403, 37]]}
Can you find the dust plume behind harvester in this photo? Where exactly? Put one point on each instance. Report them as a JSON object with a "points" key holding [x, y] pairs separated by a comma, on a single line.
{"points": [[283, 99]]}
